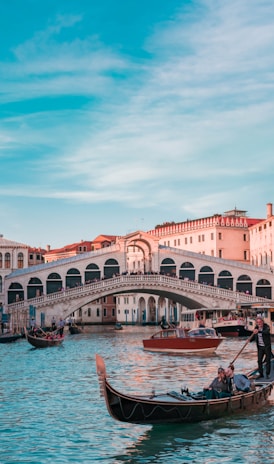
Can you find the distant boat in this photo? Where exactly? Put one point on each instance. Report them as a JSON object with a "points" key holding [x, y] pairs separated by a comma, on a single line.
{"points": [[75, 329], [179, 341], [226, 322], [10, 337], [118, 326], [232, 326], [43, 340]]}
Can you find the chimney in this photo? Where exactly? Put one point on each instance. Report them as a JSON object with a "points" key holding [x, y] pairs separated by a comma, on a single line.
{"points": [[48, 247], [269, 210]]}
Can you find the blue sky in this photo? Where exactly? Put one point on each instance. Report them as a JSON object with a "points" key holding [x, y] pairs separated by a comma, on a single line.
{"points": [[118, 115]]}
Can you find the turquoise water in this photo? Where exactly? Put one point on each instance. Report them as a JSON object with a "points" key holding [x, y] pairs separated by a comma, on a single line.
{"points": [[52, 412]]}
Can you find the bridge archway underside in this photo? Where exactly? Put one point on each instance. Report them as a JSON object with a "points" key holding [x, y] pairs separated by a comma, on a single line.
{"points": [[190, 294]]}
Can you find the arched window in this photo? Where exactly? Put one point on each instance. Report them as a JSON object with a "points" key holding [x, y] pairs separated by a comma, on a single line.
{"points": [[34, 288], [206, 269], [20, 261], [187, 271], [168, 267], [206, 276], [264, 289], [73, 278], [54, 283], [1, 260], [244, 284], [15, 292], [7, 261], [73, 271], [225, 280], [111, 268], [92, 272]]}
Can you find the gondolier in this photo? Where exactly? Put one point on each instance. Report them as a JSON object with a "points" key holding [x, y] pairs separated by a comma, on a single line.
{"points": [[261, 335], [61, 325], [53, 323]]}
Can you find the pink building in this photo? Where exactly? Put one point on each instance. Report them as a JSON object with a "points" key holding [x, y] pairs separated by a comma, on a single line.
{"points": [[222, 236], [261, 241]]}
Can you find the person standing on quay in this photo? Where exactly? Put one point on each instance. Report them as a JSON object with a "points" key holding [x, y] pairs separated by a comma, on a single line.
{"points": [[261, 335]]}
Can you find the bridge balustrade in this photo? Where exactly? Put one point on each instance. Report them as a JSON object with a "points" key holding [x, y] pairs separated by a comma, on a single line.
{"points": [[136, 283]]}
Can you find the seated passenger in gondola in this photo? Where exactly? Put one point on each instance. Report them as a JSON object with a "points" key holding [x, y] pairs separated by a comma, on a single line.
{"points": [[237, 382], [219, 387]]}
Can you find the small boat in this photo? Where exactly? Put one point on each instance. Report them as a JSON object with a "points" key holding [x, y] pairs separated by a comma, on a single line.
{"points": [[180, 407], [41, 339], [226, 322], [231, 327], [75, 329], [118, 326], [180, 341], [10, 337]]}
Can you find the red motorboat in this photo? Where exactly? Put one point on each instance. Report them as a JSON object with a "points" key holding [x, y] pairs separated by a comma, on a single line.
{"points": [[181, 341]]}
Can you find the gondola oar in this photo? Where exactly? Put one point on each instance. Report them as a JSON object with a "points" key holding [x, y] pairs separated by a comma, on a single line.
{"points": [[242, 349]]}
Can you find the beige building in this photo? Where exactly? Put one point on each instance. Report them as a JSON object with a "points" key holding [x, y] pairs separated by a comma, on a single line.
{"points": [[222, 236], [261, 241], [100, 311], [13, 255], [137, 308]]}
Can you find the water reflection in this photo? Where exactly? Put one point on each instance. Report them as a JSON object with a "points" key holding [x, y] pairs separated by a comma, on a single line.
{"points": [[230, 440]]}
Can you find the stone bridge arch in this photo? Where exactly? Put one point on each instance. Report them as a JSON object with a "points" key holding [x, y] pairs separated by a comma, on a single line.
{"points": [[192, 295]]}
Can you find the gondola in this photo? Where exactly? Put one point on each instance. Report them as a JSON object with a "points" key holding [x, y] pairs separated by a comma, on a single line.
{"points": [[183, 407], [118, 326], [43, 340], [10, 337], [75, 329]]}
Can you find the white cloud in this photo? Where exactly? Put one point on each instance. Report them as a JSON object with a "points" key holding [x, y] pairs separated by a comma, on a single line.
{"points": [[191, 112]]}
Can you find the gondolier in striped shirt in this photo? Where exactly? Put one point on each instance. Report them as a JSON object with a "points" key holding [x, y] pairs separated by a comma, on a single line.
{"points": [[261, 335]]}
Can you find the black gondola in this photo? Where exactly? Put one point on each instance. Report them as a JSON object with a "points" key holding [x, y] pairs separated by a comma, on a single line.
{"points": [[42, 339], [173, 407], [75, 329], [9, 337]]}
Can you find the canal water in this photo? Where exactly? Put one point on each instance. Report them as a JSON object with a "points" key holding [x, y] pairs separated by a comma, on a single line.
{"points": [[51, 410]]}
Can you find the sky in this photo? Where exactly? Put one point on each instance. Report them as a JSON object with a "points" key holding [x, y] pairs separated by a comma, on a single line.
{"points": [[118, 115]]}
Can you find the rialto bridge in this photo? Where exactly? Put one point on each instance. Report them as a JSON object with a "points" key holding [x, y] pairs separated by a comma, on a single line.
{"points": [[136, 264]]}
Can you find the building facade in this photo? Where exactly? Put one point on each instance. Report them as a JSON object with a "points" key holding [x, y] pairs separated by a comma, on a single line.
{"points": [[222, 236], [74, 249], [13, 255], [262, 241]]}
